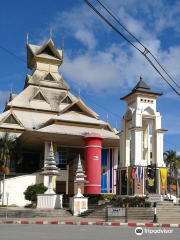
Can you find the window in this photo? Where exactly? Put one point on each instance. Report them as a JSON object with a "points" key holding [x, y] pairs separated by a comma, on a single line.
{"points": [[75, 108], [11, 119], [39, 96], [62, 159], [67, 100], [49, 77], [48, 51]]}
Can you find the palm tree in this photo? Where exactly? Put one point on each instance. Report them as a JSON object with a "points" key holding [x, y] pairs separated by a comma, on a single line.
{"points": [[9, 148], [173, 163]]}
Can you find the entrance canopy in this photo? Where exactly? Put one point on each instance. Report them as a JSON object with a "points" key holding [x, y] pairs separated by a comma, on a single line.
{"points": [[63, 135]]}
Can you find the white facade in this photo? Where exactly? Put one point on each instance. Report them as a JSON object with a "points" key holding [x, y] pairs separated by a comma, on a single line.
{"points": [[141, 129]]}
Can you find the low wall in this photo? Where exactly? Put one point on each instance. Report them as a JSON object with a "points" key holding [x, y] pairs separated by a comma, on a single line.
{"points": [[17, 185]]}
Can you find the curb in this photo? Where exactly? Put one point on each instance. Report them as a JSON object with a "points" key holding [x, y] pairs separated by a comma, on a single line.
{"points": [[129, 224]]}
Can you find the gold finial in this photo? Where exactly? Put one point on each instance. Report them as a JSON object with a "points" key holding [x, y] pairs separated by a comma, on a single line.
{"points": [[50, 31], [79, 94], [62, 49], [107, 118], [27, 38]]}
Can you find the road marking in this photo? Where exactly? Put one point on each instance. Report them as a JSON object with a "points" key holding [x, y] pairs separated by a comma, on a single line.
{"points": [[87, 229]]}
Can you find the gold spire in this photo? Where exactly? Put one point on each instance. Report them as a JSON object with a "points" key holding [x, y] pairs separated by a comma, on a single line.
{"points": [[50, 31], [116, 126], [107, 118], [27, 38], [62, 49], [79, 94]]}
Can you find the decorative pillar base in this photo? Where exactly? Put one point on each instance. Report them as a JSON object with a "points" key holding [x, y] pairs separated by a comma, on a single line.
{"points": [[49, 201], [78, 205]]}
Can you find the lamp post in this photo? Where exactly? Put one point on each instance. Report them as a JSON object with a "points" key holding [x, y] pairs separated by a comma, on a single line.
{"points": [[7, 195], [3, 196]]}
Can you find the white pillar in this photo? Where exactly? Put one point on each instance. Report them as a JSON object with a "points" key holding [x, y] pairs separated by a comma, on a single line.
{"points": [[136, 145], [127, 146], [159, 148], [121, 136]]}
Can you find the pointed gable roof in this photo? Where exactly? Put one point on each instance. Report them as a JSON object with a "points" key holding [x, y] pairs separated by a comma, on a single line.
{"points": [[79, 106], [142, 87], [10, 118], [48, 50]]}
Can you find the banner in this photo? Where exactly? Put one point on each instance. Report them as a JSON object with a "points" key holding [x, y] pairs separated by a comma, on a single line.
{"points": [[130, 179], [163, 173]]}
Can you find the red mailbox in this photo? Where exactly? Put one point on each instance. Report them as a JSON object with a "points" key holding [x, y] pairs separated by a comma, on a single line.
{"points": [[93, 146]]}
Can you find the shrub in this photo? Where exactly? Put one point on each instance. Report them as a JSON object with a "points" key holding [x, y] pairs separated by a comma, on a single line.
{"points": [[119, 201], [32, 191]]}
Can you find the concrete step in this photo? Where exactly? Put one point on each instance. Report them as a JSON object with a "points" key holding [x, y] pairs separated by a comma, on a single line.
{"points": [[35, 213]]}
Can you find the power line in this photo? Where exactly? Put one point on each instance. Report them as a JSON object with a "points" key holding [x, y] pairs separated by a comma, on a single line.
{"points": [[77, 93], [145, 51], [13, 54], [127, 30]]}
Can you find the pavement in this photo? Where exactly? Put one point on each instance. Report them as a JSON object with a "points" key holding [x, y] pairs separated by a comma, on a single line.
{"points": [[74, 220]]}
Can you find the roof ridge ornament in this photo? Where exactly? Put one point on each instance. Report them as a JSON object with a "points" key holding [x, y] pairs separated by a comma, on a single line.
{"points": [[107, 120], [50, 31], [27, 38], [79, 94], [62, 49]]}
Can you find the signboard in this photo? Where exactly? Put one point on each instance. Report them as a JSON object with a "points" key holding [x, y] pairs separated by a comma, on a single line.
{"points": [[116, 212], [154, 197]]}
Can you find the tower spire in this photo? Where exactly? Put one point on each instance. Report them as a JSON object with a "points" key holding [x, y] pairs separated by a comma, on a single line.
{"points": [[50, 31], [62, 49], [27, 38], [79, 94], [107, 118]]}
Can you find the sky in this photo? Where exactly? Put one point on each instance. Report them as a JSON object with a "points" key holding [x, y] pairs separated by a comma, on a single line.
{"points": [[96, 59]]}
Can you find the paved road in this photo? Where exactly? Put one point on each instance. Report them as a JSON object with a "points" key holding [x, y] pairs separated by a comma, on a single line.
{"points": [[53, 232]]}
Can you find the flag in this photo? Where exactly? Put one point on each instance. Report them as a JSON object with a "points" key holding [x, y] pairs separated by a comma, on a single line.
{"points": [[134, 173], [139, 169], [142, 174]]}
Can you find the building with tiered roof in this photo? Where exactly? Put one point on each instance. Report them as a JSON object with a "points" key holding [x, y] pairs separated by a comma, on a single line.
{"points": [[47, 111]]}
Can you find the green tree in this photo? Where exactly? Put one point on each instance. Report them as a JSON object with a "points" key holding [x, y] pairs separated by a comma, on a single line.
{"points": [[173, 163], [10, 148], [32, 191]]}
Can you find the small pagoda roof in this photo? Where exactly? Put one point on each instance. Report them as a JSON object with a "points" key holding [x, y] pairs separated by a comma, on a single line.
{"points": [[40, 51], [141, 87]]}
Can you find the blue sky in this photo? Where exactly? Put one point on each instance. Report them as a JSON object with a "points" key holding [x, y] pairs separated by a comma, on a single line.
{"points": [[97, 60]]}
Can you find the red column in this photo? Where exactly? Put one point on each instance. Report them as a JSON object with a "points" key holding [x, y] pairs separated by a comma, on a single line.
{"points": [[92, 164]]}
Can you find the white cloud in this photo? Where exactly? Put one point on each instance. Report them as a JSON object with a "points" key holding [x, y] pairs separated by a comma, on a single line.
{"points": [[115, 65], [171, 121], [87, 38]]}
